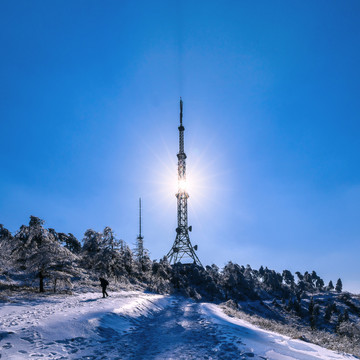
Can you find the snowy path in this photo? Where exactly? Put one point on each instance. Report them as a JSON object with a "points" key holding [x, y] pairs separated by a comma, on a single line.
{"points": [[134, 325]]}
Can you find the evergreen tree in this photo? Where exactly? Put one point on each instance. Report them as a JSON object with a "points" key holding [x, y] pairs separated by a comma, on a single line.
{"points": [[54, 234], [288, 278], [26, 240], [248, 273], [308, 280], [328, 312], [314, 316], [330, 286], [319, 283], [339, 321], [301, 286], [161, 273], [312, 321], [139, 249], [311, 306], [290, 305], [36, 222], [299, 275], [261, 271], [7, 244], [338, 286], [234, 283], [128, 259], [92, 242], [142, 255], [334, 308], [105, 254], [50, 260], [4, 233], [272, 281], [40, 252], [297, 308], [109, 239], [72, 244]]}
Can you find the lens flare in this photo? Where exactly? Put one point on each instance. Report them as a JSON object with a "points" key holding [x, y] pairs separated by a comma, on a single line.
{"points": [[182, 185]]}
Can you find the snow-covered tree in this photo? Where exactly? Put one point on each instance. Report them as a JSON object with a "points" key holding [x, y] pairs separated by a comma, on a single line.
{"points": [[40, 253], [92, 242], [330, 286], [109, 240], [297, 307], [50, 260], [338, 286], [234, 283], [70, 242], [105, 254], [341, 319], [272, 281], [314, 316], [311, 305], [328, 312], [4, 233], [261, 271], [319, 283], [299, 275], [288, 278], [141, 255], [128, 260], [6, 248], [308, 279], [54, 234]]}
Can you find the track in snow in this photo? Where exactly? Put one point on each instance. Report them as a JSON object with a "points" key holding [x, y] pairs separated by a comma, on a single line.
{"points": [[134, 325], [177, 332]]}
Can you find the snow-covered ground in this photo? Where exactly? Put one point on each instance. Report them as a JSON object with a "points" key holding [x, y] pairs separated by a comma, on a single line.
{"points": [[135, 325]]}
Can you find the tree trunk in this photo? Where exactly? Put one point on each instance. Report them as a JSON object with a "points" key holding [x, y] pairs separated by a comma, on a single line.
{"points": [[41, 276], [55, 285]]}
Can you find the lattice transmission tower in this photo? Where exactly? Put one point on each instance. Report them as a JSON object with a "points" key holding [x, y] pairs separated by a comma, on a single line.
{"points": [[182, 248]]}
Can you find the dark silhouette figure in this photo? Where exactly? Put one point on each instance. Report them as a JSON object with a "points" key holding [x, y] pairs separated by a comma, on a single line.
{"points": [[41, 276], [104, 283]]}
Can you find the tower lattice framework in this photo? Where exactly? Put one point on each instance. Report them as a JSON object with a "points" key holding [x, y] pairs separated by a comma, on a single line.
{"points": [[182, 248]]}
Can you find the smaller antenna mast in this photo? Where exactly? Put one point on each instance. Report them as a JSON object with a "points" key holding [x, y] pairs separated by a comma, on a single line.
{"points": [[140, 251]]}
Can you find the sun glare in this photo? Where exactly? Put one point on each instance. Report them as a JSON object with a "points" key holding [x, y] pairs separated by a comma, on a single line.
{"points": [[199, 184], [182, 185]]}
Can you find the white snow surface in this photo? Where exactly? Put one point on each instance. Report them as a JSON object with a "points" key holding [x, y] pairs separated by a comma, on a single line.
{"points": [[136, 325]]}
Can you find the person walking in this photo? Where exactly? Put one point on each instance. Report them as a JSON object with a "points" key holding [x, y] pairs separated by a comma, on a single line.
{"points": [[104, 283]]}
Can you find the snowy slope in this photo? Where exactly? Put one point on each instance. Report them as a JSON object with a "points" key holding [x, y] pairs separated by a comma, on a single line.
{"points": [[135, 325]]}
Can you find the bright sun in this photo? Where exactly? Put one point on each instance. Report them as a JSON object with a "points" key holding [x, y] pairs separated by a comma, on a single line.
{"points": [[198, 184], [182, 185]]}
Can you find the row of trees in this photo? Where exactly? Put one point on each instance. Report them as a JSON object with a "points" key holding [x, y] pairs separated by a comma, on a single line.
{"points": [[318, 314], [49, 255], [58, 257]]}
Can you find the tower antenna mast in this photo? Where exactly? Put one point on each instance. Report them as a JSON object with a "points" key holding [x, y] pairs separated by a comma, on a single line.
{"points": [[182, 248], [140, 237]]}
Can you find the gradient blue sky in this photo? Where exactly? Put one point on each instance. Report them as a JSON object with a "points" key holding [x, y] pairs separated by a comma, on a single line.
{"points": [[89, 113]]}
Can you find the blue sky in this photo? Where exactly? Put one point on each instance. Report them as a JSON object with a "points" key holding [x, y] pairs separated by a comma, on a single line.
{"points": [[89, 113]]}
